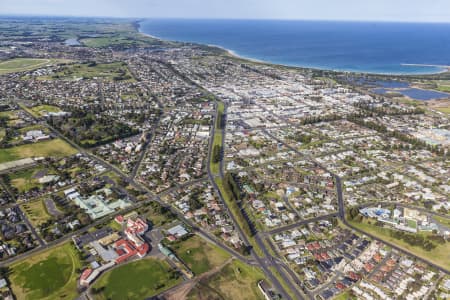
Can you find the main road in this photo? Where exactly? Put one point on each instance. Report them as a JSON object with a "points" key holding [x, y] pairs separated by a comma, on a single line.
{"points": [[341, 210], [266, 262], [151, 197], [262, 263]]}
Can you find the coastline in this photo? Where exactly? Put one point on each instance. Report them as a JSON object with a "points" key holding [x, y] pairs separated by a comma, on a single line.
{"points": [[233, 53], [228, 51], [443, 67]]}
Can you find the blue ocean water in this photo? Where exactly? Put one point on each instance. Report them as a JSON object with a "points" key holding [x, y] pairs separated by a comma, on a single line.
{"points": [[345, 46]]}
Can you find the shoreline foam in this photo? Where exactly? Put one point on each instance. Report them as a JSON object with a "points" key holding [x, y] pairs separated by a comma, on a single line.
{"points": [[233, 53]]}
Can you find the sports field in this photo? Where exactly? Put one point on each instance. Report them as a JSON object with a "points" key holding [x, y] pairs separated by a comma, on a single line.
{"points": [[51, 148], [136, 280], [24, 64], [41, 110], [108, 71], [47, 275]]}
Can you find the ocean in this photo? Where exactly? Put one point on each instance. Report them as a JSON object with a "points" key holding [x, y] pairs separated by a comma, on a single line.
{"points": [[369, 47]]}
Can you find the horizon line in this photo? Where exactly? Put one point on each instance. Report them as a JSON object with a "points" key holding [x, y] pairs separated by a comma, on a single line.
{"points": [[223, 19]]}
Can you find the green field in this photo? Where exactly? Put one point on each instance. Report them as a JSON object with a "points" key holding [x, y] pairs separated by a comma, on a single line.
{"points": [[9, 114], [444, 88], [199, 255], [443, 85], [102, 42], [157, 219], [107, 71], [236, 281], [36, 212], [115, 226], [439, 255], [157, 215], [124, 40], [25, 64], [445, 110], [412, 223], [23, 180], [40, 110], [47, 275], [51, 148], [136, 280], [24, 130]]}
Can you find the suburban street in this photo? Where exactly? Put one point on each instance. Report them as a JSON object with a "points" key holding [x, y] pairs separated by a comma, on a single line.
{"points": [[266, 262]]}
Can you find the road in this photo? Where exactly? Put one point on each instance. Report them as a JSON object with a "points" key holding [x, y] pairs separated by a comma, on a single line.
{"points": [[266, 262], [396, 203], [149, 137], [341, 208], [260, 262], [344, 220], [263, 263], [299, 223], [150, 198], [23, 217]]}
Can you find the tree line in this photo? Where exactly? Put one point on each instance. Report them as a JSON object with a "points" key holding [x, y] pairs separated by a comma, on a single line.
{"points": [[415, 142], [232, 190], [392, 111]]}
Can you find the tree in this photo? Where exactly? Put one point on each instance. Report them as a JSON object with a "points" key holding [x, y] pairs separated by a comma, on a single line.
{"points": [[353, 212], [217, 154]]}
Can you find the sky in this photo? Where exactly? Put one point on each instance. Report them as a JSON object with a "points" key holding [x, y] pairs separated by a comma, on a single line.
{"points": [[351, 10]]}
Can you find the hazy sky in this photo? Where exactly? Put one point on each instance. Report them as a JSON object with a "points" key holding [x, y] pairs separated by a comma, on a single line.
{"points": [[380, 10]]}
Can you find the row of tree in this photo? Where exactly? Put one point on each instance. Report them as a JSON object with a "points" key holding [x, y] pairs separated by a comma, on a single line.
{"points": [[413, 239], [415, 142], [388, 110], [220, 122], [322, 118], [217, 154], [232, 190]]}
